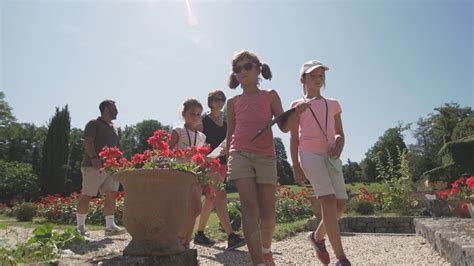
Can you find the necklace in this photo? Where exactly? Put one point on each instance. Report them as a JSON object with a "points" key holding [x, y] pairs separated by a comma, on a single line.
{"points": [[189, 136]]}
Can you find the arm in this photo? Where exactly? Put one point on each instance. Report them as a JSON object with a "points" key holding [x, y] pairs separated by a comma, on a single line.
{"points": [[230, 123], [286, 124], [294, 144], [336, 151], [91, 152], [174, 139], [277, 110]]}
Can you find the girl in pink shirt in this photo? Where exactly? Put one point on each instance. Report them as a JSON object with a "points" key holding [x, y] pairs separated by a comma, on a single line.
{"points": [[318, 137], [252, 164]]}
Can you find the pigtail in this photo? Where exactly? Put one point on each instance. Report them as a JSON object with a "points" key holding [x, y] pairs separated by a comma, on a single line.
{"points": [[232, 81], [266, 72]]}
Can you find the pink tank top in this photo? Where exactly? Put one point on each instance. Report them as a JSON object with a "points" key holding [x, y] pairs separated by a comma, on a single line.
{"points": [[251, 114]]}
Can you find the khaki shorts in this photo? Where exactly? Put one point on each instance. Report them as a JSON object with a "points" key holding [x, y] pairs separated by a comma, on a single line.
{"points": [[93, 181], [323, 176], [250, 165]]}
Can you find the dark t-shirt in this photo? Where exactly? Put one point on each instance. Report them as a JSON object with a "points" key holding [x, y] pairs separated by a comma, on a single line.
{"points": [[103, 134], [214, 134]]}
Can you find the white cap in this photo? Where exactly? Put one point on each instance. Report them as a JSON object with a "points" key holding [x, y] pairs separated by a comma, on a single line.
{"points": [[310, 66]]}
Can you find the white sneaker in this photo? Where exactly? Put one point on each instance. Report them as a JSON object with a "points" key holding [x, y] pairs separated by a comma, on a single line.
{"points": [[114, 231], [82, 230]]}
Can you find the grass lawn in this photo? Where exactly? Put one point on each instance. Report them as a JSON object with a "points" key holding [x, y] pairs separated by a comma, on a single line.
{"points": [[372, 187], [11, 221]]}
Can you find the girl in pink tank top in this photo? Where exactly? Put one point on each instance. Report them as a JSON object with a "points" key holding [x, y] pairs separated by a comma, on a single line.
{"points": [[252, 164]]}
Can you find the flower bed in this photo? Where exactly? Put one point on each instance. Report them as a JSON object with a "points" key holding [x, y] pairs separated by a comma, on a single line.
{"points": [[459, 196], [62, 210]]}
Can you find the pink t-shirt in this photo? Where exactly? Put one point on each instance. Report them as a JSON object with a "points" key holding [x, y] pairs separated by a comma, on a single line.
{"points": [[311, 137], [251, 114]]}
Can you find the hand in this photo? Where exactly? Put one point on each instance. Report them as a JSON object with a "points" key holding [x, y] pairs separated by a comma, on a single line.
{"points": [[301, 107], [96, 163], [298, 174], [335, 152]]}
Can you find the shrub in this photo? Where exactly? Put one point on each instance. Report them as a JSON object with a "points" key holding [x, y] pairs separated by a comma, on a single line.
{"points": [[397, 181], [234, 215], [17, 180], [25, 211], [291, 206], [362, 206]]}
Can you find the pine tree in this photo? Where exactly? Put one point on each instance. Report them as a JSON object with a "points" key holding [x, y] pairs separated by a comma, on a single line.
{"points": [[54, 164], [285, 173]]}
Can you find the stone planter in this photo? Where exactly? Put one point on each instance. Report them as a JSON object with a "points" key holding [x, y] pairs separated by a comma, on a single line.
{"points": [[438, 208], [457, 211], [155, 210], [470, 207]]}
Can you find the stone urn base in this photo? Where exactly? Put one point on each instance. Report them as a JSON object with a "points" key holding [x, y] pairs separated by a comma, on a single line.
{"points": [[155, 209]]}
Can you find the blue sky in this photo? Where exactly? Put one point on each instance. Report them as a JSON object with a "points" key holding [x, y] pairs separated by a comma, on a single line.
{"points": [[390, 60]]}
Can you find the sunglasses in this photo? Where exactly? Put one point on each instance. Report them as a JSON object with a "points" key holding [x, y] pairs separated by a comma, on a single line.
{"points": [[246, 66]]}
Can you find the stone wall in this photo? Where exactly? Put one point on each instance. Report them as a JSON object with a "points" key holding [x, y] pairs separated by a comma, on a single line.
{"points": [[453, 238], [372, 224]]}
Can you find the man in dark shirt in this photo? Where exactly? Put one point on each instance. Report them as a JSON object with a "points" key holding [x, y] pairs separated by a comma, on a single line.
{"points": [[99, 133]]}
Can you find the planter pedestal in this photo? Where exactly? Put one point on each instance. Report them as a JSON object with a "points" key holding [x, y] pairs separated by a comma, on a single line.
{"points": [[155, 209]]}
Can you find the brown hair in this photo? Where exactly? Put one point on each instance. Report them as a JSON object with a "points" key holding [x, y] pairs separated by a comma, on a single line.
{"points": [[252, 57], [190, 103], [104, 104], [213, 95]]}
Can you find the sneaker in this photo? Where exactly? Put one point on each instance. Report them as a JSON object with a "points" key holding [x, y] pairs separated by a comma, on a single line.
{"points": [[114, 231], [343, 262], [234, 241], [82, 230], [268, 258], [320, 249], [201, 239]]}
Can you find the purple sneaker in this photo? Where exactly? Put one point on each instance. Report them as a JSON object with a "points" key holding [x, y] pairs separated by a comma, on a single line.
{"points": [[320, 249], [343, 262]]}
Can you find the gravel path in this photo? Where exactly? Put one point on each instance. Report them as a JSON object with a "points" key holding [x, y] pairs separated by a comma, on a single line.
{"points": [[362, 249]]}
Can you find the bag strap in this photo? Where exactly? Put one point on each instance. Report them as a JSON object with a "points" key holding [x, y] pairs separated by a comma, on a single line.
{"points": [[317, 121]]}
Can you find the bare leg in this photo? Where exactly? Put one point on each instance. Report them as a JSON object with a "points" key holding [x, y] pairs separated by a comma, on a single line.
{"points": [[247, 189], [205, 213], [329, 213], [83, 204], [267, 202], [222, 211], [320, 233], [109, 203]]}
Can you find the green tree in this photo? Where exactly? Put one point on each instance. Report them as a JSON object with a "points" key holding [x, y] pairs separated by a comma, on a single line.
{"points": [[284, 170], [128, 141], [76, 152], [387, 146], [144, 130], [449, 122], [6, 115], [18, 142], [17, 180], [352, 171], [56, 153]]}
